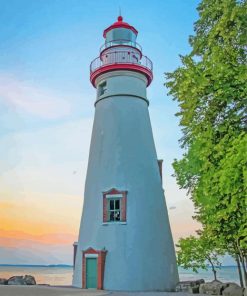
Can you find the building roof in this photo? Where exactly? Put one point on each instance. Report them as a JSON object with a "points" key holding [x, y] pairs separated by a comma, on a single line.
{"points": [[119, 24]]}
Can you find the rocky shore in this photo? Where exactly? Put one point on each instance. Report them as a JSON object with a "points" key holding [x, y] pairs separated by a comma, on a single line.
{"points": [[211, 288], [27, 280], [199, 287]]}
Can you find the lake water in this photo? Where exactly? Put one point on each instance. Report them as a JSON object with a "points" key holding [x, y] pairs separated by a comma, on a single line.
{"points": [[224, 274], [43, 274], [63, 275]]}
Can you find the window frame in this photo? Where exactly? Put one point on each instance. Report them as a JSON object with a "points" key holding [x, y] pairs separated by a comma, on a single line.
{"points": [[114, 210], [102, 88], [114, 195]]}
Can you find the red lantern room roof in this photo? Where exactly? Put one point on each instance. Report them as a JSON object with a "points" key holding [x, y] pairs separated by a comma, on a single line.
{"points": [[120, 54], [119, 24]]}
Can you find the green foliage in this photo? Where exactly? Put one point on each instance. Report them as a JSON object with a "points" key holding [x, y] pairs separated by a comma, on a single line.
{"points": [[210, 86], [211, 90], [198, 252]]}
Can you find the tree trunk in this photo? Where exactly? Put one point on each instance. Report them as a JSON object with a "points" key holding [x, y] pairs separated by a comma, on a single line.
{"points": [[244, 271], [242, 261], [239, 271], [213, 269]]}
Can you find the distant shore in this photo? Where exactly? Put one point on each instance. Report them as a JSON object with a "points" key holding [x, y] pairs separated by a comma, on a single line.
{"points": [[68, 265], [37, 265]]}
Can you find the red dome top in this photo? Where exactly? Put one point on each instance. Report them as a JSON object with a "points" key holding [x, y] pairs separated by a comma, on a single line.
{"points": [[119, 24]]}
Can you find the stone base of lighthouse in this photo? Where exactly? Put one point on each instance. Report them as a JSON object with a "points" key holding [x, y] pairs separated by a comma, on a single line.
{"points": [[125, 240]]}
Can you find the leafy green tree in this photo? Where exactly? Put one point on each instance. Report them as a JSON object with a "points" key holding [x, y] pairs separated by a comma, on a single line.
{"points": [[229, 210], [211, 90], [198, 252]]}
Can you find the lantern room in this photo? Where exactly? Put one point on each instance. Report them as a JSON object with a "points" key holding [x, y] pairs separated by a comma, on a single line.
{"points": [[120, 33], [120, 51]]}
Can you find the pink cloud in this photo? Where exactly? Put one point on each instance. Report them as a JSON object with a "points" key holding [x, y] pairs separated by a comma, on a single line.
{"points": [[32, 99]]}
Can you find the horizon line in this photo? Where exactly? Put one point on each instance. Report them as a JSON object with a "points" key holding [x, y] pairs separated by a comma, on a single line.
{"points": [[69, 265]]}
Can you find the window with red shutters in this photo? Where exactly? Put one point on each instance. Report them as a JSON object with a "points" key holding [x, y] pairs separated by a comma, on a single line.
{"points": [[114, 206]]}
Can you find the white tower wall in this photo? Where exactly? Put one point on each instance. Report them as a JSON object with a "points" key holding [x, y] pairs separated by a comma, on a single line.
{"points": [[140, 252]]}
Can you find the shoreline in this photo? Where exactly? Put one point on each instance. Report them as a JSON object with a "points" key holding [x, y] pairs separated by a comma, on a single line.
{"points": [[62, 275]]}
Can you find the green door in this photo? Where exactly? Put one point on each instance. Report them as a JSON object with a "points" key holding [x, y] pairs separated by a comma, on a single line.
{"points": [[91, 273]]}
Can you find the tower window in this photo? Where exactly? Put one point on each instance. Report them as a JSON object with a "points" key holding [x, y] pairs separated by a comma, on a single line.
{"points": [[102, 88], [114, 210], [114, 206]]}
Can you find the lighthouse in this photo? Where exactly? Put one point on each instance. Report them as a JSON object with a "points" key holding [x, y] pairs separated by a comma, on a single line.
{"points": [[125, 241]]}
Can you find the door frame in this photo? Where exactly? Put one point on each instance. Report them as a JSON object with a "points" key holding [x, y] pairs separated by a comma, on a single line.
{"points": [[101, 256]]}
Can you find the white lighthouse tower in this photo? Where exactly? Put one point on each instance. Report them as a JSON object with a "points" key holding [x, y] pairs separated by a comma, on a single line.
{"points": [[125, 241]]}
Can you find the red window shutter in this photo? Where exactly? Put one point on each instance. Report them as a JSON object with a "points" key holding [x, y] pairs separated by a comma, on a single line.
{"points": [[104, 209], [123, 207]]}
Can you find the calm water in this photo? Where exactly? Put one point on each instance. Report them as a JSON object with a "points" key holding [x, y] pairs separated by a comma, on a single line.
{"points": [[63, 275], [224, 274], [43, 275]]}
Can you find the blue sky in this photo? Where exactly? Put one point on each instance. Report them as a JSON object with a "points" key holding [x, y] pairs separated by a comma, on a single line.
{"points": [[47, 109], [51, 43]]}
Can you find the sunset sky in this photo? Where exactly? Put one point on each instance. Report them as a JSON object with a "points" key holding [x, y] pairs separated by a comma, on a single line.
{"points": [[47, 109]]}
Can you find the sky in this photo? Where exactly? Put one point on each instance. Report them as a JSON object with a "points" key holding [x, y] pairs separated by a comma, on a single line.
{"points": [[47, 110]]}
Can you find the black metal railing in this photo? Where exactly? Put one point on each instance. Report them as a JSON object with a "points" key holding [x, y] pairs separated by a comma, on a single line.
{"points": [[121, 42], [120, 57]]}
